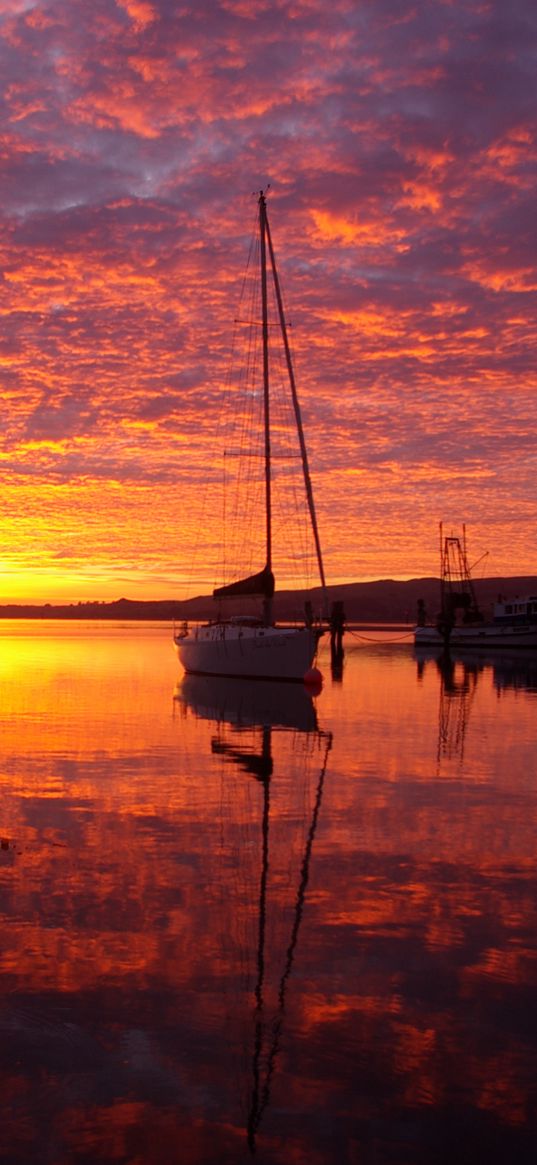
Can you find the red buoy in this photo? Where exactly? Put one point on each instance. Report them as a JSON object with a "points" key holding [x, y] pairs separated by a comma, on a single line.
{"points": [[313, 679]]}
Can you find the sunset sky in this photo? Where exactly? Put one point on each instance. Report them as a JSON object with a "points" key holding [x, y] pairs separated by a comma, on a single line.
{"points": [[399, 143]]}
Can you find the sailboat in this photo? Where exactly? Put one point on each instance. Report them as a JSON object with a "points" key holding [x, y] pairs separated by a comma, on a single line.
{"points": [[247, 645]]}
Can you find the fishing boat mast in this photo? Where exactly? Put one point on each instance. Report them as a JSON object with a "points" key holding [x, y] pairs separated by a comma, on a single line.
{"points": [[456, 587]]}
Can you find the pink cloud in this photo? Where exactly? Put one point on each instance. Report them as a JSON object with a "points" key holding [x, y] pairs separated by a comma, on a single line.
{"points": [[400, 145]]}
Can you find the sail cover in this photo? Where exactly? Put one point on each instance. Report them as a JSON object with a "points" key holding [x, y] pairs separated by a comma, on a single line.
{"points": [[261, 583]]}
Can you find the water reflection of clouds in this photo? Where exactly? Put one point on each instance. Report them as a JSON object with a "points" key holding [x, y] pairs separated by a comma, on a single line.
{"points": [[129, 960]]}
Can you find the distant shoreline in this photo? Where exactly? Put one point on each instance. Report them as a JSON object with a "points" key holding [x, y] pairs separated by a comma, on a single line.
{"points": [[350, 626], [386, 603]]}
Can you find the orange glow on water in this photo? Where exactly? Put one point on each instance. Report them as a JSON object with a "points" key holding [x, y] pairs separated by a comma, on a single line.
{"points": [[398, 916]]}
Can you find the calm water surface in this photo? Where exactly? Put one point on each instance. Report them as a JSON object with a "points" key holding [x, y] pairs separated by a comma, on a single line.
{"points": [[237, 920]]}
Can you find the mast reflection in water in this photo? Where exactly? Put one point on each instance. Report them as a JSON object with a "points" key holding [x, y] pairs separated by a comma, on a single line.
{"points": [[247, 717]]}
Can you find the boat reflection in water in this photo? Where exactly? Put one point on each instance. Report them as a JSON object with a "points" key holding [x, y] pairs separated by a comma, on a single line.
{"points": [[246, 703], [460, 673], [508, 670], [268, 732]]}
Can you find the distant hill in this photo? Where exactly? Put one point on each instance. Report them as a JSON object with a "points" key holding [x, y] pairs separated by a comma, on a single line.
{"points": [[395, 601], [383, 601]]}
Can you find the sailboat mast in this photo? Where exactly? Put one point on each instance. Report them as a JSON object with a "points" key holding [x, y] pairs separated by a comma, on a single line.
{"points": [[296, 406], [266, 398]]}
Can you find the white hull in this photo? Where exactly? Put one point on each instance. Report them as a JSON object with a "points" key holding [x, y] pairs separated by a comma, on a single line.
{"points": [[220, 649], [488, 635]]}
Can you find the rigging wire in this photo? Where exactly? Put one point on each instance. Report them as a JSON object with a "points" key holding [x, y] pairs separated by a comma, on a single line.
{"points": [[237, 546]]}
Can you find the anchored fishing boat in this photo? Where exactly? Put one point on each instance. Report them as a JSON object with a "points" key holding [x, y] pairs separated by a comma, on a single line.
{"points": [[245, 644], [460, 622]]}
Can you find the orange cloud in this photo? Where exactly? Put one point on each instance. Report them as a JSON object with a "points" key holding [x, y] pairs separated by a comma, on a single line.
{"points": [[140, 12], [330, 227]]}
